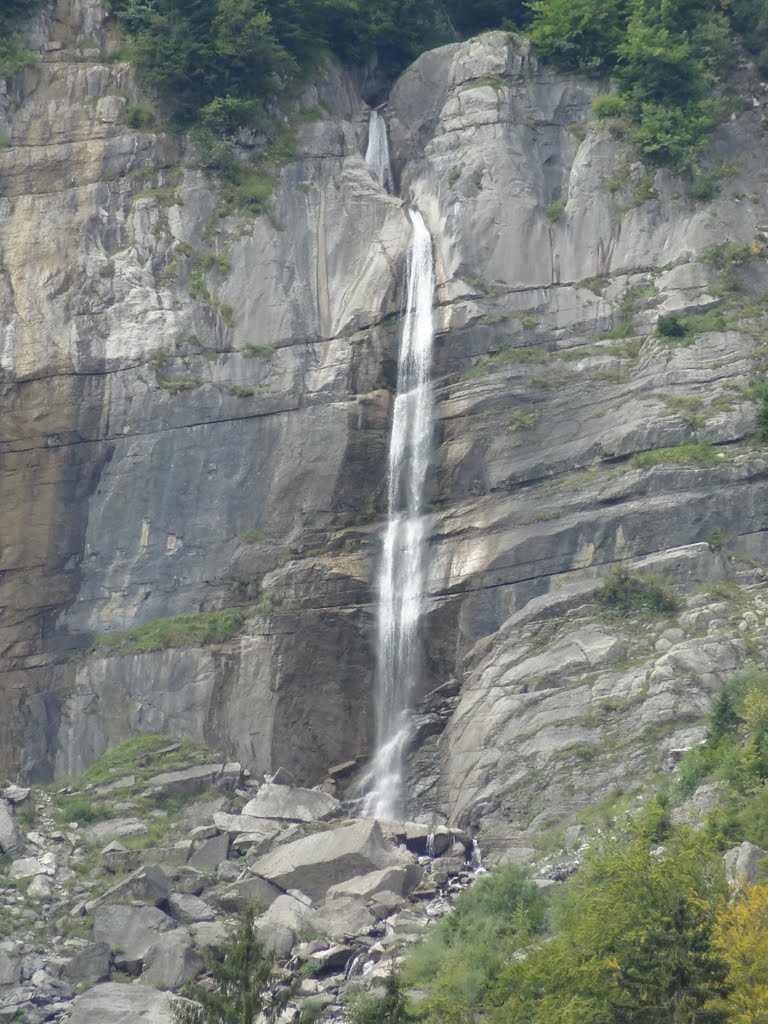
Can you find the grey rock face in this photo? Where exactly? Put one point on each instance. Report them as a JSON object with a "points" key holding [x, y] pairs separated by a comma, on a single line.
{"points": [[317, 862], [131, 930], [343, 917], [172, 961], [210, 853], [286, 803], [90, 964], [278, 927], [189, 909], [191, 781], [257, 891], [119, 1004], [394, 879], [278, 422], [149, 885]]}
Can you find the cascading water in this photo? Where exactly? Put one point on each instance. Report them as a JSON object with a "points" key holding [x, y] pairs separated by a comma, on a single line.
{"points": [[377, 154], [402, 570]]}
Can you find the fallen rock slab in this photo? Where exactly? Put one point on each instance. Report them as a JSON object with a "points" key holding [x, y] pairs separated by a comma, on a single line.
{"points": [[122, 1004], [149, 884], [132, 930], [89, 965], [315, 863], [116, 827], [282, 922], [210, 853], [172, 961], [289, 803], [196, 780], [189, 909], [398, 879], [255, 890], [343, 918]]}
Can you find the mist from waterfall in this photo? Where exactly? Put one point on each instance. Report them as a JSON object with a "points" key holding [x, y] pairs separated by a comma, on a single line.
{"points": [[377, 154], [403, 560]]}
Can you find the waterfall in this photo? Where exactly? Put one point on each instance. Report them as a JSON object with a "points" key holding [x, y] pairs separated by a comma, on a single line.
{"points": [[377, 154], [402, 570]]}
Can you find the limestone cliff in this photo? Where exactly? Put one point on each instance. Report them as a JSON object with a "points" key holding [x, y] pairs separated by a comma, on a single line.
{"points": [[194, 415]]}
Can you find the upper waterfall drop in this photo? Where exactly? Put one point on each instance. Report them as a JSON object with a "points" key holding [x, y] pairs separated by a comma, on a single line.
{"points": [[377, 153], [403, 562]]}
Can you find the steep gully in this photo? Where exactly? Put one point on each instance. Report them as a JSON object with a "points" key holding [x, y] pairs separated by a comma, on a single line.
{"points": [[402, 569]]}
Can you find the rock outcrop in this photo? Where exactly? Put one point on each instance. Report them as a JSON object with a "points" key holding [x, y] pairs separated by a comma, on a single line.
{"points": [[194, 417]]}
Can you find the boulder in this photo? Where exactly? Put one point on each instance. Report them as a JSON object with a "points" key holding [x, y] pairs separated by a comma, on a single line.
{"points": [[399, 879], [118, 858], [742, 863], [210, 853], [282, 922], [196, 780], [334, 958], [343, 918], [131, 930], [385, 903], [10, 963], [254, 890], [316, 862], [41, 888], [116, 827], [189, 909], [236, 824], [121, 1004], [90, 964], [9, 832], [209, 934], [172, 961], [175, 856], [149, 884], [15, 794], [28, 867], [288, 803]]}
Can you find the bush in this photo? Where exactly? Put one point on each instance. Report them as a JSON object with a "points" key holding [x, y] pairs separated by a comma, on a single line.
{"points": [[669, 325], [626, 593], [608, 106], [194, 628]]}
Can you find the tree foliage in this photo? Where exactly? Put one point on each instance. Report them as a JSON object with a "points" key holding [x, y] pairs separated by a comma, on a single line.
{"points": [[741, 939], [240, 971], [634, 943], [13, 14]]}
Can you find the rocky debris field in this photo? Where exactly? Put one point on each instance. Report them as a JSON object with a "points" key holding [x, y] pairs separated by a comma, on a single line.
{"points": [[113, 889]]}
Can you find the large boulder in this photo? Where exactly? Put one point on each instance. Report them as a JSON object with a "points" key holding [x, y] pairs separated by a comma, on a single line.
{"points": [[89, 965], [9, 833], [343, 918], [398, 879], [149, 884], [172, 961], [253, 890], [10, 962], [122, 1004], [288, 803], [282, 922], [742, 863], [210, 853], [192, 781], [315, 863], [189, 909], [131, 930]]}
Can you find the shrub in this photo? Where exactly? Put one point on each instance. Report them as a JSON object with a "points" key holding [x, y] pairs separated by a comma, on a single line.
{"points": [[555, 210], [669, 325], [626, 593], [608, 106], [138, 117]]}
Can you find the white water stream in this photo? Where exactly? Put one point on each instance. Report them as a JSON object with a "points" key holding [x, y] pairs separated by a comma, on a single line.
{"points": [[377, 154], [402, 570]]}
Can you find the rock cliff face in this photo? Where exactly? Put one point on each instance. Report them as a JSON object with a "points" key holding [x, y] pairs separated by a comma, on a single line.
{"points": [[194, 415]]}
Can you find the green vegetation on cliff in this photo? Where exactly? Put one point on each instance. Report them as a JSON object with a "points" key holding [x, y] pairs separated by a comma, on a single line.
{"points": [[13, 13]]}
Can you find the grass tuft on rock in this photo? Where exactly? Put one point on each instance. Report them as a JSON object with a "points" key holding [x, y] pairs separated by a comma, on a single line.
{"points": [[191, 629], [626, 593]]}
